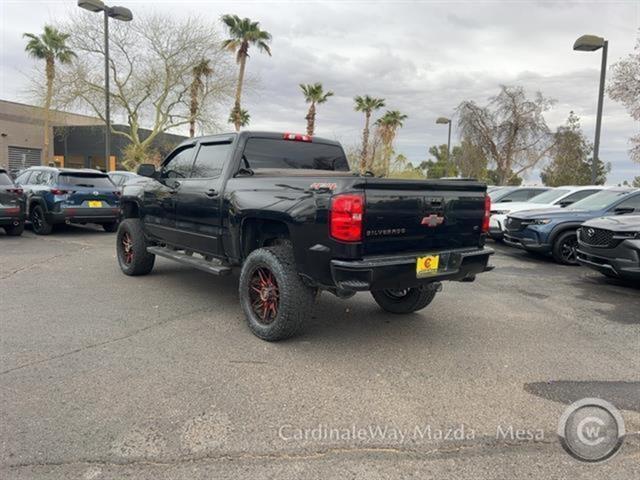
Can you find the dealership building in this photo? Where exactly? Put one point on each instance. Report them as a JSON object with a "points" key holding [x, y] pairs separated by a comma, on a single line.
{"points": [[77, 141]]}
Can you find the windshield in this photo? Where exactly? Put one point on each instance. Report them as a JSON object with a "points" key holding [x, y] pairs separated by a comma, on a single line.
{"points": [[85, 180], [549, 196], [498, 193], [600, 200], [276, 153]]}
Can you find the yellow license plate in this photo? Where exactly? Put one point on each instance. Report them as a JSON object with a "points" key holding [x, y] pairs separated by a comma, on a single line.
{"points": [[427, 265], [95, 204]]}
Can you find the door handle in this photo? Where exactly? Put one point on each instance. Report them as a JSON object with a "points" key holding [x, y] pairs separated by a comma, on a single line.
{"points": [[211, 193]]}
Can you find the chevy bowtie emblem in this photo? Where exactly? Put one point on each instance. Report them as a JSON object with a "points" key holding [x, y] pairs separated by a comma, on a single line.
{"points": [[432, 220]]}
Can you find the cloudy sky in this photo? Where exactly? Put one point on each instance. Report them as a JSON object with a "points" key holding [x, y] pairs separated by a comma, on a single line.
{"points": [[424, 57]]}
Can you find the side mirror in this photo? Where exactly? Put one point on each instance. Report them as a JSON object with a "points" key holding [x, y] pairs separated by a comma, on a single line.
{"points": [[147, 170], [506, 200], [565, 203], [623, 210]]}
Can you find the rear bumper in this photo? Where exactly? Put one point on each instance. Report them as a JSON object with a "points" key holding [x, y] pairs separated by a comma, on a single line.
{"points": [[84, 215], [11, 216], [382, 272], [623, 261]]}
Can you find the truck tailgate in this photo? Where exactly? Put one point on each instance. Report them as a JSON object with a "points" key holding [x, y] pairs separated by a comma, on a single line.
{"points": [[419, 216]]}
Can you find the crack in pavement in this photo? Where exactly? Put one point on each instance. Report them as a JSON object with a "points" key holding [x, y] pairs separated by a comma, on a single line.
{"points": [[106, 342], [32, 265]]}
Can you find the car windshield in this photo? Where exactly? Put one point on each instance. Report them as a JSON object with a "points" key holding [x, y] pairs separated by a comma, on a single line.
{"points": [[497, 194], [549, 196], [85, 180], [5, 179], [600, 200]]}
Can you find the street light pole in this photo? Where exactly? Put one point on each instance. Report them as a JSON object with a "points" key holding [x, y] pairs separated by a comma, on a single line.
{"points": [[596, 143], [591, 43], [119, 13], [107, 109], [443, 121]]}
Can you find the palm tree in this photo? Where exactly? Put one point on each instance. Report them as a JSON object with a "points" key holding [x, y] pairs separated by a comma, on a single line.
{"points": [[239, 117], [388, 125], [49, 46], [243, 33], [313, 94], [200, 71], [367, 105]]}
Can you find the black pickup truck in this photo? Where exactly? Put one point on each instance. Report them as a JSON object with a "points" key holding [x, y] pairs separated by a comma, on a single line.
{"points": [[287, 211]]}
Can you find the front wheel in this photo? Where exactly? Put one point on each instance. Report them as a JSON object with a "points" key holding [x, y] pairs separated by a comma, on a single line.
{"points": [[564, 248], [405, 300], [131, 248], [273, 297]]}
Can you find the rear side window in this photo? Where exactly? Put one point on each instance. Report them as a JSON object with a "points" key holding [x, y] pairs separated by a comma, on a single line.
{"points": [[40, 177], [210, 160], [5, 179], [85, 180], [23, 178], [276, 153]]}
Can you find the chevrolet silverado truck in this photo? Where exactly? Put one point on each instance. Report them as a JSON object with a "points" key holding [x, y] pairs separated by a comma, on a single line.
{"points": [[288, 213]]}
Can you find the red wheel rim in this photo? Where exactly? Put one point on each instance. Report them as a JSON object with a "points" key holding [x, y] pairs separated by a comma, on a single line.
{"points": [[127, 248], [264, 294]]}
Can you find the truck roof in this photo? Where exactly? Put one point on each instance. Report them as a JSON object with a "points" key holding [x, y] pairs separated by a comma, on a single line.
{"points": [[251, 133]]}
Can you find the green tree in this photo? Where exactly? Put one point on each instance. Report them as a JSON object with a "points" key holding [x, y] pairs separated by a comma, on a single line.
{"points": [[443, 165], [201, 70], [243, 33], [367, 105], [50, 46], [388, 126], [314, 94], [570, 161], [493, 177], [239, 117], [469, 160]]}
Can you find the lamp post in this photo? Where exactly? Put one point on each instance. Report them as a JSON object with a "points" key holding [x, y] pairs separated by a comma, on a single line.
{"points": [[118, 13], [591, 43], [443, 121]]}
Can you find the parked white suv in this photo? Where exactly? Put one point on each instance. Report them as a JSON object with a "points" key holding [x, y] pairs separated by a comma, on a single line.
{"points": [[558, 197]]}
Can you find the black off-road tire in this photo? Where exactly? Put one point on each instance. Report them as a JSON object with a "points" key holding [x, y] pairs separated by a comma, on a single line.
{"points": [[140, 262], [111, 227], [295, 298], [39, 221], [560, 246], [14, 230], [405, 301]]}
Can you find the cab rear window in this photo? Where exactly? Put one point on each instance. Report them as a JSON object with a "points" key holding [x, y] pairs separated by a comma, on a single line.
{"points": [[276, 153], [85, 180]]}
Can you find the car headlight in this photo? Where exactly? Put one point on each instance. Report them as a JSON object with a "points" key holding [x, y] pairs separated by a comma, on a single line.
{"points": [[540, 221]]}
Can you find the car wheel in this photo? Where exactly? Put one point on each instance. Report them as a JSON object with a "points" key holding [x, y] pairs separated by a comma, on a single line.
{"points": [[273, 297], [110, 227], [39, 221], [131, 248], [406, 300], [564, 248], [15, 230]]}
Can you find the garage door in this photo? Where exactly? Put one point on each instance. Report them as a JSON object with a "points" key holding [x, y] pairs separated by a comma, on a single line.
{"points": [[20, 157]]}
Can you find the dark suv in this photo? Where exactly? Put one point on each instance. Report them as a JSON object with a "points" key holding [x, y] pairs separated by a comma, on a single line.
{"points": [[11, 205], [64, 195]]}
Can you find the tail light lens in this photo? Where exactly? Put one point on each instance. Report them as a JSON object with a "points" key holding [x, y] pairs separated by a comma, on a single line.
{"points": [[487, 214], [296, 137], [345, 217], [17, 191], [58, 191]]}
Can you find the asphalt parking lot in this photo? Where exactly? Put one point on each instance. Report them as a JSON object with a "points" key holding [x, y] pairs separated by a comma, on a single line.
{"points": [[104, 376]]}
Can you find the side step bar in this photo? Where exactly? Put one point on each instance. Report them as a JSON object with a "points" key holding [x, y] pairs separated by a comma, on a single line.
{"points": [[208, 266]]}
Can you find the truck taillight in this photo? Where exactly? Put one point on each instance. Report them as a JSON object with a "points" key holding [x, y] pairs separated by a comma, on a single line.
{"points": [[58, 191], [487, 214], [17, 191], [297, 137], [345, 217]]}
